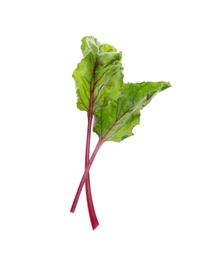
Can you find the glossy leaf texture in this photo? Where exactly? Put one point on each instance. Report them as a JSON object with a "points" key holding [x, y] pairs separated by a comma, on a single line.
{"points": [[98, 76], [115, 121]]}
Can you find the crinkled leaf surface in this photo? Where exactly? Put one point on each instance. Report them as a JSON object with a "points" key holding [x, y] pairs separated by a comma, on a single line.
{"points": [[115, 121], [98, 76]]}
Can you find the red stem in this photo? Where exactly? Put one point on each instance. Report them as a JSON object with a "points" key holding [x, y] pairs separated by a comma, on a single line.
{"points": [[85, 175], [91, 209]]}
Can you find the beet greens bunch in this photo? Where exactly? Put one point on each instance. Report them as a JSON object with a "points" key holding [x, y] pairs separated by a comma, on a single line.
{"points": [[114, 105]]}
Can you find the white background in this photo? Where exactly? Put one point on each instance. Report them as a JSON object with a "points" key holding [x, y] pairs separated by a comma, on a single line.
{"points": [[155, 193]]}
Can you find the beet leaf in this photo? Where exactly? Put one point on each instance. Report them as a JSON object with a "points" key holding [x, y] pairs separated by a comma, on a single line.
{"points": [[98, 79]]}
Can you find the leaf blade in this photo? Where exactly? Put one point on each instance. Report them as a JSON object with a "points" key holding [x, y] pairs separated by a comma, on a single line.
{"points": [[115, 121], [98, 74]]}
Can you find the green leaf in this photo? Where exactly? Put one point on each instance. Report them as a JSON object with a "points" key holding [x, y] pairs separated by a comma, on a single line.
{"points": [[115, 121], [98, 76]]}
